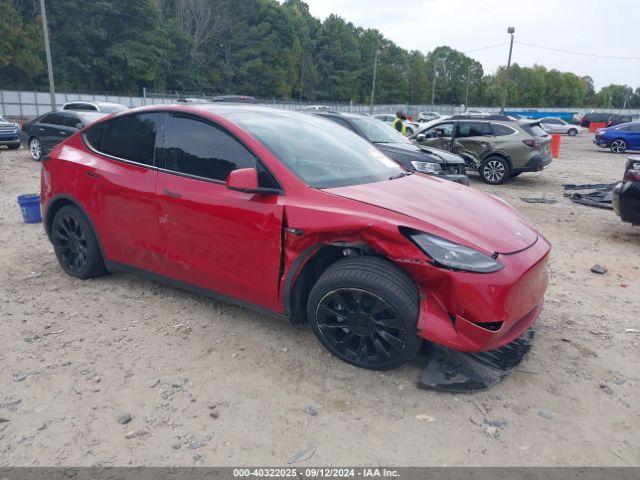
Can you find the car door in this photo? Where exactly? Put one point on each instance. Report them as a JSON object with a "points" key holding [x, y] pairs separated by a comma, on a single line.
{"points": [[222, 240], [117, 182], [52, 130], [633, 136], [472, 139], [438, 136]]}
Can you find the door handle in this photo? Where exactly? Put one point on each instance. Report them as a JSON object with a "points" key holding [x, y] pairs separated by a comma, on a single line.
{"points": [[171, 194], [63, 133], [91, 174]]}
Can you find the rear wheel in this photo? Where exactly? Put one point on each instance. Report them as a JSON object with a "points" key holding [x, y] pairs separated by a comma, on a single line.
{"points": [[618, 146], [75, 244], [494, 170], [35, 148], [572, 132], [364, 310]]}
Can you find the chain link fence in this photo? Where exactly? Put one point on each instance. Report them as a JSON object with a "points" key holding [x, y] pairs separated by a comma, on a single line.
{"points": [[25, 104]]}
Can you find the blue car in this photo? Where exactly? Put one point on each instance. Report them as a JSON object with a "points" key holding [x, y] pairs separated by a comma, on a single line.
{"points": [[9, 133], [619, 138]]}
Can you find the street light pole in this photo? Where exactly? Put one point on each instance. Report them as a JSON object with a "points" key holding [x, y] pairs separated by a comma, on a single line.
{"points": [[373, 85], [510, 30], [466, 94], [433, 83], [47, 49]]}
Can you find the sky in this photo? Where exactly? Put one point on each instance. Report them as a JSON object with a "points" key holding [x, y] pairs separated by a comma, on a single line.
{"points": [[596, 27]]}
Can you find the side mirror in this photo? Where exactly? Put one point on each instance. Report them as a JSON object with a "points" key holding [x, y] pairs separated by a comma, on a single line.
{"points": [[243, 180], [421, 137], [79, 125]]}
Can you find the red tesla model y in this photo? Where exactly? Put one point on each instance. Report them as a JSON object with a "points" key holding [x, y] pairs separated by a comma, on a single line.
{"points": [[296, 216]]}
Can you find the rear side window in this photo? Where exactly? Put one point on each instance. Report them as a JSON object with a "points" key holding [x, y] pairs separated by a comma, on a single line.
{"points": [[132, 137], [500, 130], [53, 119], [71, 121], [470, 129], [197, 148], [535, 130]]}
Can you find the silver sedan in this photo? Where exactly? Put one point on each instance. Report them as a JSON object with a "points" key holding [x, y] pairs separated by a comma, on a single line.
{"points": [[557, 125]]}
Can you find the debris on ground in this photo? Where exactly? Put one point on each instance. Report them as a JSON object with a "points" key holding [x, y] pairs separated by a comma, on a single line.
{"points": [[538, 200], [305, 454], [425, 418], [310, 410], [601, 195], [599, 269], [124, 419]]}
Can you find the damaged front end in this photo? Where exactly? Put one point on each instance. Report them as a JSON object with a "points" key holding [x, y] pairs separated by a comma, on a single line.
{"points": [[458, 372]]}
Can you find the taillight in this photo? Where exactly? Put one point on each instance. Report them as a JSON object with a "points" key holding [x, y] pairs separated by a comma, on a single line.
{"points": [[533, 143]]}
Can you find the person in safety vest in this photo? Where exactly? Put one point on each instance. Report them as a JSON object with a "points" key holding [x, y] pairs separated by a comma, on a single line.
{"points": [[398, 123]]}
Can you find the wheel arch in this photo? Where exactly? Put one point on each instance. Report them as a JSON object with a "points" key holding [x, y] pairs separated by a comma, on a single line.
{"points": [[307, 269], [501, 155], [59, 201]]}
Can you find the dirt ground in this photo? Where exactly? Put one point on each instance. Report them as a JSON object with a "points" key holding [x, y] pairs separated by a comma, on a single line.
{"points": [[207, 383]]}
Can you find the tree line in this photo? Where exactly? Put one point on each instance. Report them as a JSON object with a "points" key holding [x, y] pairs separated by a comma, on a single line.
{"points": [[262, 48]]}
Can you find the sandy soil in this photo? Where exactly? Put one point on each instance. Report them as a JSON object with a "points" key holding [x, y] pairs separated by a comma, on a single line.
{"points": [[211, 384]]}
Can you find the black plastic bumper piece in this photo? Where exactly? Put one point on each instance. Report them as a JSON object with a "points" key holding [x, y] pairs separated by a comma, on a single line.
{"points": [[458, 372]]}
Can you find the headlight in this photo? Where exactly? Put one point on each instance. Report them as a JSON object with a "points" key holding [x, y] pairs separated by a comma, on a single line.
{"points": [[451, 255], [427, 167]]}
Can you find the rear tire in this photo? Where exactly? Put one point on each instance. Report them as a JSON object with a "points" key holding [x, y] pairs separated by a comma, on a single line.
{"points": [[618, 146], [75, 244], [494, 170], [364, 310]]}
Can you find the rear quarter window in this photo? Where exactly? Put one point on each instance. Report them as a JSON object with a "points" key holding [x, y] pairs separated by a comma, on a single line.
{"points": [[535, 130], [500, 130]]}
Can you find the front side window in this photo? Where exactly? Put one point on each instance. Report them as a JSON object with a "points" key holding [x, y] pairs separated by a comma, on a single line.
{"points": [[132, 137], [321, 153], [446, 128], [53, 119], [197, 148]]}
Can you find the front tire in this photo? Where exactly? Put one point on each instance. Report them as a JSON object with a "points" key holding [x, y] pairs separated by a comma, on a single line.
{"points": [[618, 146], [35, 148], [572, 132], [494, 170], [364, 310], [75, 244]]}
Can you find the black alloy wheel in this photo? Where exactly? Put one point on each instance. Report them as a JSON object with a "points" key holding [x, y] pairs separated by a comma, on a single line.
{"points": [[361, 326], [75, 244]]}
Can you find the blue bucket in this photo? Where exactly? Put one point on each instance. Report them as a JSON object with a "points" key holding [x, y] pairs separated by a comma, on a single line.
{"points": [[30, 207]]}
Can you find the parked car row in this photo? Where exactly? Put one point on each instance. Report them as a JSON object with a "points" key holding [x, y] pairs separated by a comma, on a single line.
{"points": [[300, 216]]}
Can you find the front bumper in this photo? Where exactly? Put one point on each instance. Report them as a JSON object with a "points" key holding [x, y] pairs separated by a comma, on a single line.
{"points": [[626, 202], [475, 312], [13, 139], [601, 142]]}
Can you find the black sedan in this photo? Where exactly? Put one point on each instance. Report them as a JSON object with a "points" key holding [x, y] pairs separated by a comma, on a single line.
{"points": [[46, 131], [626, 195], [412, 157]]}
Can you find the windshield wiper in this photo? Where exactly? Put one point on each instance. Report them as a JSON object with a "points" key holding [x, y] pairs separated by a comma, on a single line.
{"points": [[400, 175]]}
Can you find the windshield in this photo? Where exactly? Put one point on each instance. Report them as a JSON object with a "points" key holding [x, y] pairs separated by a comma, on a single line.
{"points": [[378, 132], [320, 152]]}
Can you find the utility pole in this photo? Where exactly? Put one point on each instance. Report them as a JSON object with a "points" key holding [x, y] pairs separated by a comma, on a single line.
{"points": [[511, 31], [47, 49], [626, 97], [466, 94], [373, 85], [433, 83], [302, 76]]}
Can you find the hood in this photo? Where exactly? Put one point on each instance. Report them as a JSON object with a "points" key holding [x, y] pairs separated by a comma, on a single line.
{"points": [[410, 151], [452, 211], [6, 123]]}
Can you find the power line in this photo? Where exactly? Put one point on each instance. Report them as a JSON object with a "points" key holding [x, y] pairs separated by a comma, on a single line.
{"points": [[107, 9], [485, 48], [584, 54]]}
